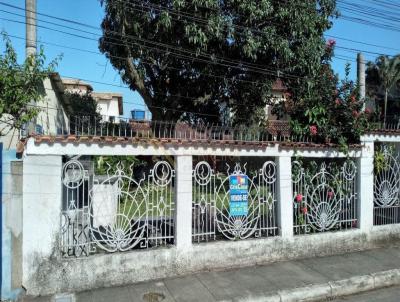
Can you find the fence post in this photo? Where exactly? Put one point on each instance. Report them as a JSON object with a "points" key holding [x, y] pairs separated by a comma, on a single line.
{"points": [[366, 187], [183, 197], [285, 195], [41, 206]]}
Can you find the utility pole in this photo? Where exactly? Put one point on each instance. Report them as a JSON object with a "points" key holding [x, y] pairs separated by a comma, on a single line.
{"points": [[30, 17], [361, 78], [30, 46]]}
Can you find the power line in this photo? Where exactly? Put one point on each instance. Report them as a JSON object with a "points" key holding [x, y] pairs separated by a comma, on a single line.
{"points": [[189, 56], [267, 72], [97, 28]]}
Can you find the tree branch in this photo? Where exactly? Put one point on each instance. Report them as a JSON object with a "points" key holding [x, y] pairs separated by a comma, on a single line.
{"points": [[136, 80]]}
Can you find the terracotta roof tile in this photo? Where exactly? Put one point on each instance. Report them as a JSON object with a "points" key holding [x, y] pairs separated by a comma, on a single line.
{"points": [[39, 139], [384, 131]]}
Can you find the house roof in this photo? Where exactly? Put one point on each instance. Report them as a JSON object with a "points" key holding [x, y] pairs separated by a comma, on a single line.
{"points": [[108, 96], [279, 86], [76, 82]]}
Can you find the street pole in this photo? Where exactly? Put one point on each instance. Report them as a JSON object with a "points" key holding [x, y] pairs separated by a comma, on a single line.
{"points": [[361, 78], [30, 16], [30, 46]]}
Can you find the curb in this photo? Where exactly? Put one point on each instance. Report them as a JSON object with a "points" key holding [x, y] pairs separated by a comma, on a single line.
{"points": [[329, 290]]}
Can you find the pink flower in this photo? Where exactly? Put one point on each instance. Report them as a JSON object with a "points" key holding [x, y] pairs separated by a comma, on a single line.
{"points": [[368, 111], [353, 99], [330, 194], [330, 43], [355, 113], [304, 210], [313, 130], [338, 101], [299, 197]]}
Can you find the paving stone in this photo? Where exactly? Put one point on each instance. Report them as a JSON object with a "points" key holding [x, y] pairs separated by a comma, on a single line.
{"points": [[290, 274], [37, 299], [235, 283], [122, 293], [151, 292], [187, 289]]}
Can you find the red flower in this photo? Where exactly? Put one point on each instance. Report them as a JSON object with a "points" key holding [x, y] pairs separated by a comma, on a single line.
{"points": [[330, 194], [353, 99], [368, 111], [355, 113], [313, 130], [304, 210], [299, 197], [338, 101]]}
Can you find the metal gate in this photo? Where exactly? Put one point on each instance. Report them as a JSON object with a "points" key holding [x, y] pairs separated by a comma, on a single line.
{"points": [[386, 186], [115, 212]]}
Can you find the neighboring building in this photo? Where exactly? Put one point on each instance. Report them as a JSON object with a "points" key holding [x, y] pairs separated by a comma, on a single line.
{"points": [[52, 117], [110, 104], [76, 86], [279, 93]]}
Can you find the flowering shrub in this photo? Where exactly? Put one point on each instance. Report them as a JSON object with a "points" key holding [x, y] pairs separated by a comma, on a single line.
{"points": [[326, 109]]}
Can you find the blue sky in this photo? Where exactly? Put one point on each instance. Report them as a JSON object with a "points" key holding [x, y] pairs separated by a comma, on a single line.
{"points": [[95, 67]]}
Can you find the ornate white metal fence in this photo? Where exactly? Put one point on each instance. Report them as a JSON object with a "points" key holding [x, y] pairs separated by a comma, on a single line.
{"points": [[324, 199], [212, 216], [115, 212], [387, 187]]}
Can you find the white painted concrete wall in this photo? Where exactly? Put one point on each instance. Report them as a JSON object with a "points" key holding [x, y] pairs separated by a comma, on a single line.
{"points": [[11, 228], [42, 196], [68, 275]]}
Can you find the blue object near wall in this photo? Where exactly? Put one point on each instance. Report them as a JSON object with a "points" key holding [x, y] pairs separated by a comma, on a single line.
{"points": [[1, 218], [7, 292]]}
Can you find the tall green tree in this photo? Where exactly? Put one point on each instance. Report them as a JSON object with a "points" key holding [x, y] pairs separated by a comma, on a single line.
{"points": [[21, 86], [383, 76], [204, 55]]}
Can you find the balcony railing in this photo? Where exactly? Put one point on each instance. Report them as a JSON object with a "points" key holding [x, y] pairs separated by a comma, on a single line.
{"points": [[122, 127]]}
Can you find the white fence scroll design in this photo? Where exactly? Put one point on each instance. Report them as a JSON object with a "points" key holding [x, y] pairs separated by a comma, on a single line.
{"points": [[387, 187], [211, 204], [115, 212], [326, 200]]}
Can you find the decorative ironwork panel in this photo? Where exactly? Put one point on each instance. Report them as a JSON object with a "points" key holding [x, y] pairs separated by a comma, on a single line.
{"points": [[115, 212], [161, 205], [74, 237], [213, 215], [325, 200], [386, 186]]}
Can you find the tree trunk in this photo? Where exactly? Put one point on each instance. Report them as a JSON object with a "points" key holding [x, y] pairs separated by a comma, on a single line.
{"points": [[385, 108]]}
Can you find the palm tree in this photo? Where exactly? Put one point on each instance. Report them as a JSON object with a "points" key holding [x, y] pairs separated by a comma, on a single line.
{"points": [[385, 73]]}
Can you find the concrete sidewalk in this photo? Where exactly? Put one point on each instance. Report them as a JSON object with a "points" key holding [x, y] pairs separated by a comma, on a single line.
{"points": [[302, 280]]}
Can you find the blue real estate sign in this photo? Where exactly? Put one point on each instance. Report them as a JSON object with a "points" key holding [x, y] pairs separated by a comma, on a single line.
{"points": [[238, 193]]}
